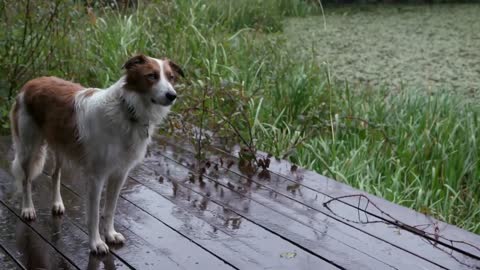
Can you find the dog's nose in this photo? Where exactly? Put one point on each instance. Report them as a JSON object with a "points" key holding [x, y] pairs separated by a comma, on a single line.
{"points": [[171, 96]]}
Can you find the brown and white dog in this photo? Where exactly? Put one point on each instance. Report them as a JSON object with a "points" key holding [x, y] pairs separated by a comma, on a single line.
{"points": [[103, 132]]}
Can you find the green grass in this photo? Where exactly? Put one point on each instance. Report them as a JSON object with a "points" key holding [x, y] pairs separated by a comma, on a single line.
{"points": [[415, 149]]}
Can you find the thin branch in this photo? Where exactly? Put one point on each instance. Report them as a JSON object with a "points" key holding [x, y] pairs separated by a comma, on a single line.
{"points": [[433, 238]]}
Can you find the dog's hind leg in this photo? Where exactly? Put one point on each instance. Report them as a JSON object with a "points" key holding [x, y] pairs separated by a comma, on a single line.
{"points": [[25, 170], [57, 208], [95, 185], [30, 153], [114, 185]]}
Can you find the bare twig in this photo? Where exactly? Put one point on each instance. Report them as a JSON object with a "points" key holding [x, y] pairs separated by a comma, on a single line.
{"points": [[434, 238]]}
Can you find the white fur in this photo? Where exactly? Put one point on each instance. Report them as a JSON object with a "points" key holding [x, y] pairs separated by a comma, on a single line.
{"points": [[113, 145]]}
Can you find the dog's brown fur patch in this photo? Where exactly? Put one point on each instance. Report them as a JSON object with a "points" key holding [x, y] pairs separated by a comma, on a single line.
{"points": [[142, 73], [172, 71], [169, 74], [50, 101]]}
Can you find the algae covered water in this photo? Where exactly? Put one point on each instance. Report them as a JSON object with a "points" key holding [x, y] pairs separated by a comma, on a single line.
{"points": [[433, 48]]}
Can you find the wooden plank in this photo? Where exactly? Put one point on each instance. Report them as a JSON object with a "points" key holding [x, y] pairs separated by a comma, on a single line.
{"points": [[71, 241], [449, 255], [324, 185], [20, 239], [338, 245], [241, 246], [312, 201], [157, 244], [60, 233], [331, 189], [7, 260], [251, 248], [230, 216], [144, 249], [26, 245], [317, 182]]}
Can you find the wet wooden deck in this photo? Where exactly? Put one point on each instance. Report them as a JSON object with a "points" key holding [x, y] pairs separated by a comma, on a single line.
{"points": [[228, 218]]}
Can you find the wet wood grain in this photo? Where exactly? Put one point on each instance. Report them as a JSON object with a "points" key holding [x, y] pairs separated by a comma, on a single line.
{"points": [[144, 249], [59, 232], [330, 189], [7, 260], [27, 246], [293, 193], [320, 234], [149, 211]]}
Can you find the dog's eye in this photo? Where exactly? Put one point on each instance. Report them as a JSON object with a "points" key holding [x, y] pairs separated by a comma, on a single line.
{"points": [[152, 76], [171, 77]]}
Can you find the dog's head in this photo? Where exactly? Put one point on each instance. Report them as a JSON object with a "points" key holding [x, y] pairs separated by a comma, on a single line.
{"points": [[153, 79]]}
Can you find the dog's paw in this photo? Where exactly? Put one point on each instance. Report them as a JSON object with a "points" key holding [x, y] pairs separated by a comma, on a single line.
{"points": [[98, 247], [115, 238], [58, 209], [29, 213]]}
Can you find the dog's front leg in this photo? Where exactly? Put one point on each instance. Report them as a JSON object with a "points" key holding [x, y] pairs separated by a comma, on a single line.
{"points": [[114, 185], [95, 185]]}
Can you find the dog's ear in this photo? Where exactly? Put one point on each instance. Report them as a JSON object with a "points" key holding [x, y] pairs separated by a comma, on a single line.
{"points": [[135, 60], [176, 68]]}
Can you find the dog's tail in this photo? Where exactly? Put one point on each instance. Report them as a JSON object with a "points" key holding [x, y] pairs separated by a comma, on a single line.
{"points": [[16, 167], [28, 144]]}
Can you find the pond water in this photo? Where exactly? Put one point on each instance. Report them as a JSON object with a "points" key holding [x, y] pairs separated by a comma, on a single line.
{"points": [[426, 47]]}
